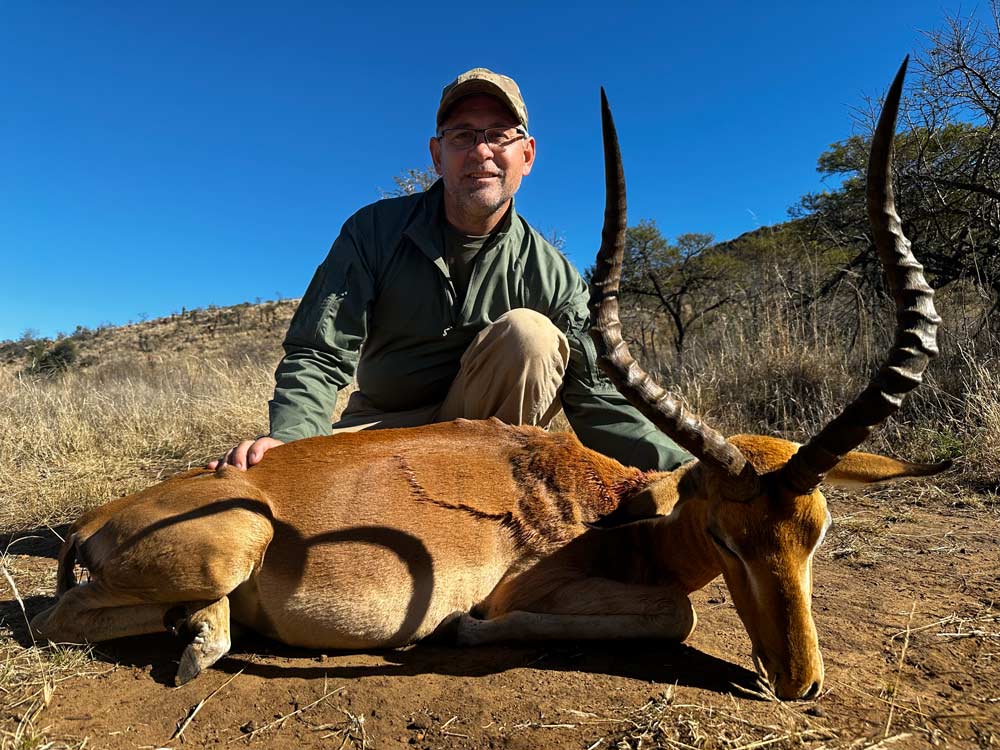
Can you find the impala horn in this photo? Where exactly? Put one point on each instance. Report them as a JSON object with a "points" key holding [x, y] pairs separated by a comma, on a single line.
{"points": [[660, 407], [916, 321]]}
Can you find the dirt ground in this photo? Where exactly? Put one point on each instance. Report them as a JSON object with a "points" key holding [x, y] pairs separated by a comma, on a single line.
{"points": [[905, 605]]}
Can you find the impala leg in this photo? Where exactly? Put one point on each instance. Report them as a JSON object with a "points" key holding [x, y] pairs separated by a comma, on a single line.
{"points": [[590, 609], [88, 613], [210, 624]]}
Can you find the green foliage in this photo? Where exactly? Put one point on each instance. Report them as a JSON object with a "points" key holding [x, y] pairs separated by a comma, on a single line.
{"points": [[52, 360], [682, 282]]}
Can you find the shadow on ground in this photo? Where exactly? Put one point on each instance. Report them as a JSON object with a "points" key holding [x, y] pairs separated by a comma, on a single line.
{"points": [[43, 541], [650, 661]]}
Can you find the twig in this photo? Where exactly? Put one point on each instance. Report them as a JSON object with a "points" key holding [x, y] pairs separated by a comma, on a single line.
{"points": [[446, 733], [282, 719], [55, 533], [804, 734], [181, 726], [880, 699], [20, 602], [888, 741], [969, 634], [536, 725], [581, 714], [358, 722], [678, 743], [943, 621], [765, 693], [899, 669]]}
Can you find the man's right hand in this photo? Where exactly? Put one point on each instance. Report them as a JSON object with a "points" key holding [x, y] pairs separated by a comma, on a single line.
{"points": [[246, 454]]}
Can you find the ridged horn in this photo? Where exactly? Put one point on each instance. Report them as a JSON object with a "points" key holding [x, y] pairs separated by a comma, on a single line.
{"points": [[662, 409], [916, 321]]}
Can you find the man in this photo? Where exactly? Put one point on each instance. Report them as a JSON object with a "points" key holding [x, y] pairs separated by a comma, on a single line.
{"points": [[463, 309]]}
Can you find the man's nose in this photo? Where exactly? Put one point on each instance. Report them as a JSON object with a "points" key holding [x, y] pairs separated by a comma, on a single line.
{"points": [[482, 149]]}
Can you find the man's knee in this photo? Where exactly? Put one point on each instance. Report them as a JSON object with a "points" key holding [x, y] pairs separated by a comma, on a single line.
{"points": [[512, 370], [531, 333]]}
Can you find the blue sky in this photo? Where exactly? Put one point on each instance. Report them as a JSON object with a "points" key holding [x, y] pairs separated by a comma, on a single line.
{"points": [[160, 155]]}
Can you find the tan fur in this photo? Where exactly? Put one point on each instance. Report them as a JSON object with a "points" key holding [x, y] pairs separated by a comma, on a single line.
{"points": [[375, 539]]}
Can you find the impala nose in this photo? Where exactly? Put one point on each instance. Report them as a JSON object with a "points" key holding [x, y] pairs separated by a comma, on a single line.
{"points": [[787, 690]]}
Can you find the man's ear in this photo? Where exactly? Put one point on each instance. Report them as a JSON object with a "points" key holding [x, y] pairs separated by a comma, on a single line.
{"points": [[435, 147], [529, 155]]}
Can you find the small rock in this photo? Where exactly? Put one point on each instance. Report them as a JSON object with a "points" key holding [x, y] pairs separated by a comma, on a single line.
{"points": [[816, 711], [249, 727], [420, 721]]}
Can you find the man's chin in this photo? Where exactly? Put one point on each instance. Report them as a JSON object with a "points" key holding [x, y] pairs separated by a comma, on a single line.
{"points": [[481, 203]]}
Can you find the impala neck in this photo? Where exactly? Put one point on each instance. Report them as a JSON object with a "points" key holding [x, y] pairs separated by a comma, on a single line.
{"points": [[681, 550], [685, 553]]}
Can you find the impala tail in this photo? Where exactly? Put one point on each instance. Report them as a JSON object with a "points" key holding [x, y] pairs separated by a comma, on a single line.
{"points": [[66, 577]]}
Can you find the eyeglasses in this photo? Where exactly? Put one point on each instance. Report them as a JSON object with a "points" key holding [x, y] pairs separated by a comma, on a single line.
{"points": [[462, 139]]}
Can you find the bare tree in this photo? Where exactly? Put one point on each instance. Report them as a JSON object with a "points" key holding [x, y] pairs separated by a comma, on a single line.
{"points": [[411, 181], [684, 280], [947, 165]]}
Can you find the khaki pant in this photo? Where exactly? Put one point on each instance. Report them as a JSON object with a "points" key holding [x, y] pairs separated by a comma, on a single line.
{"points": [[512, 370]]}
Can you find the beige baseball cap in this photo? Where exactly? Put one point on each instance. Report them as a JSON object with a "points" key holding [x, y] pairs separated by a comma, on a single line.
{"points": [[483, 81]]}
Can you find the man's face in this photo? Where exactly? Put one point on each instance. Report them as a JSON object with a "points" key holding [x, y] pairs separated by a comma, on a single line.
{"points": [[479, 183]]}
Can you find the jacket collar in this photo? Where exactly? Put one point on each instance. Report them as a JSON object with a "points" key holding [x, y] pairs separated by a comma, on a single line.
{"points": [[427, 222]]}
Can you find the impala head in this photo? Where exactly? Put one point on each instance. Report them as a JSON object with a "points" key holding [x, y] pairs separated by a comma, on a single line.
{"points": [[766, 515], [764, 547]]}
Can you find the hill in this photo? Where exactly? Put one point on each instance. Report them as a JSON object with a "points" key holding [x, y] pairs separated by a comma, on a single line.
{"points": [[238, 332]]}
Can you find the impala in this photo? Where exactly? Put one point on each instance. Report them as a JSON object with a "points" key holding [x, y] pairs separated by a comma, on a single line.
{"points": [[377, 539]]}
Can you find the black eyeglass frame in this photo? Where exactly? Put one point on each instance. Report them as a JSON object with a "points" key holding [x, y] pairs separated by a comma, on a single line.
{"points": [[522, 134]]}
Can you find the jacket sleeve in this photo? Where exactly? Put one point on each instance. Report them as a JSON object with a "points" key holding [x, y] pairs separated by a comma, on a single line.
{"points": [[602, 418], [323, 340]]}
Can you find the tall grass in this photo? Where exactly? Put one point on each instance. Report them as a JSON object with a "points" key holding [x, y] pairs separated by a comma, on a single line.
{"points": [[71, 442], [787, 372]]}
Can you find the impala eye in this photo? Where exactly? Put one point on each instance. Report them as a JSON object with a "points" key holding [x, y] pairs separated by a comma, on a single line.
{"points": [[721, 544]]}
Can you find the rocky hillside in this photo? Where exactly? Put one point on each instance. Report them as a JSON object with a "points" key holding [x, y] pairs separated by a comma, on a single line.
{"points": [[244, 331]]}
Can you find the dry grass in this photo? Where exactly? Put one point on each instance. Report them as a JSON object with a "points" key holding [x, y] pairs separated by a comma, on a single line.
{"points": [[667, 723], [79, 440], [983, 410], [29, 676]]}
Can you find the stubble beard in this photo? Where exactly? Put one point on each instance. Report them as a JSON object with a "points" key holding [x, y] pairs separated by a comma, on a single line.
{"points": [[484, 201]]}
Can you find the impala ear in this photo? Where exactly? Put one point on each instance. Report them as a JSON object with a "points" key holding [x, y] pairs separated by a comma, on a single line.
{"points": [[658, 499], [857, 469]]}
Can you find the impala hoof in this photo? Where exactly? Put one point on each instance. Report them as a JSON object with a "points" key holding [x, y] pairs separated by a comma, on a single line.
{"points": [[198, 656], [446, 633]]}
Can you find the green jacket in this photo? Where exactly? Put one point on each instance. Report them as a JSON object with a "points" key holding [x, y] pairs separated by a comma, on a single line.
{"points": [[385, 284]]}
